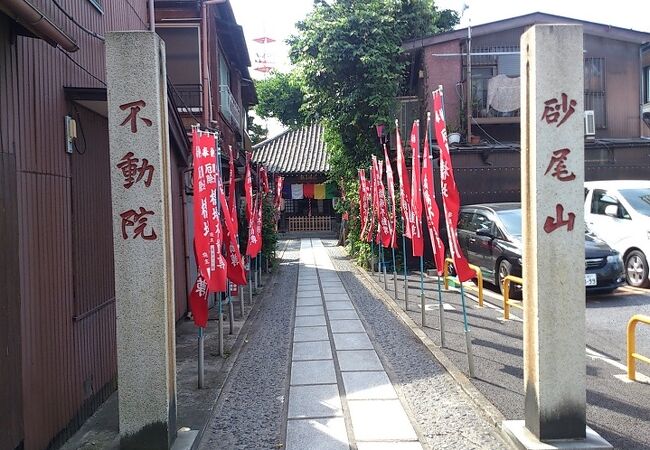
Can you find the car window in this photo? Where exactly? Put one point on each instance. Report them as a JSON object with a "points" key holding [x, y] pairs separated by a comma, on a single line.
{"points": [[480, 222], [639, 199], [464, 220], [602, 199]]}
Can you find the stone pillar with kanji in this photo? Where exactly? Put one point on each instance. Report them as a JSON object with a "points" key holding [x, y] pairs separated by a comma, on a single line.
{"points": [[142, 239], [552, 185]]}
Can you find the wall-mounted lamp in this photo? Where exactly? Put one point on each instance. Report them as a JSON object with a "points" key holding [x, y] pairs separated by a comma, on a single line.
{"points": [[70, 134]]}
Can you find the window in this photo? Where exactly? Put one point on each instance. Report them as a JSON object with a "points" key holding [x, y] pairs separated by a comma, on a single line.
{"points": [[646, 84], [601, 200], [97, 4], [464, 221], [183, 64], [595, 94], [224, 72]]}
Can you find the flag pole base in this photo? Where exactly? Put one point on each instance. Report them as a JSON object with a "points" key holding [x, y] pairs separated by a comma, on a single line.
{"points": [[470, 353]]}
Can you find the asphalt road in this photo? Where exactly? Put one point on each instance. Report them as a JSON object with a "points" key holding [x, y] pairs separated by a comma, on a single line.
{"points": [[616, 408]]}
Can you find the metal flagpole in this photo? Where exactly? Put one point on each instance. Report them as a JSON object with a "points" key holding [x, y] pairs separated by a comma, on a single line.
{"points": [[441, 310], [372, 255], [468, 335], [422, 290], [383, 257], [250, 281], [406, 283], [394, 274], [231, 309], [442, 315]]}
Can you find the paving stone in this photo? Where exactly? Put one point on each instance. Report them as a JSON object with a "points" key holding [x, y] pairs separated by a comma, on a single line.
{"points": [[333, 306], [308, 293], [306, 334], [380, 420], [309, 321], [321, 400], [389, 446], [346, 326], [336, 297], [357, 359], [309, 311], [309, 301], [303, 351], [334, 290], [342, 314], [352, 341], [317, 434], [368, 386], [312, 372]]}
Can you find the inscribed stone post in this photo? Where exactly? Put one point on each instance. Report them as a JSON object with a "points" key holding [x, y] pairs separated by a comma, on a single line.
{"points": [[142, 238]]}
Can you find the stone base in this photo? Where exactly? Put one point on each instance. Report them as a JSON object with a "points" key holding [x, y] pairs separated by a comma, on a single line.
{"points": [[184, 439], [525, 440]]}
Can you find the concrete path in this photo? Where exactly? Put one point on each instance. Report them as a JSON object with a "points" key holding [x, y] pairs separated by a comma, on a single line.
{"points": [[339, 394]]}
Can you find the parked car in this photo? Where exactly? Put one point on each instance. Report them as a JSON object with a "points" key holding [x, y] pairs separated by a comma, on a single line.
{"points": [[619, 213], [490, 236]]}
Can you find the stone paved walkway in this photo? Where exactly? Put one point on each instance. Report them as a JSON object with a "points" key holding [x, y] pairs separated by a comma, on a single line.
{"points": [[339, 393]]}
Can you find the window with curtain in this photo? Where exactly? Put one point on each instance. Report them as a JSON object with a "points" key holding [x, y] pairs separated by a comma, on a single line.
{"points": [[595, 93], [646, 84]]}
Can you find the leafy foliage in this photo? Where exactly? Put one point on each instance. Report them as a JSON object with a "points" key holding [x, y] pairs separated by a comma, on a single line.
{"points": [[347, 55], [280, 96], [269, 230], [256, 131]]}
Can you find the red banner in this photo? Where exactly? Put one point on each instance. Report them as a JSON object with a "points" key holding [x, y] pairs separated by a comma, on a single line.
{"points": [[374, 171], [279, 182], [235, 266], [264, 179], [363, 203], [391, 191], [404, 187], [431, 207], [207, 230], [253, 239], [232, 189], [384, 219], [198, 302], [450, 196], [248, 188], [417, 238]]}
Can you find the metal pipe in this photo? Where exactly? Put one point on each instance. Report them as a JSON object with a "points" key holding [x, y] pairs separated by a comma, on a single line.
{"points": [[205, 76], [152, 17], [201, 357], [469, 83], [38, 23]]}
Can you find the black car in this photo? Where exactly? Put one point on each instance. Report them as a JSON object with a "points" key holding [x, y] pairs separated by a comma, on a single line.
{"points": [[490, 236]]}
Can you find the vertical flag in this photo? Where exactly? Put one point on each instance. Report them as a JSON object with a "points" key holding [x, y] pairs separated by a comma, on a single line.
{"points": [[362, 201], [431, 207], [450, 196], [253, 238], [384, 223], [248, 189], [404, 187], [279, 182], [391, 191], [232, 202], [416, 199], [375, 202], [235, 266], [264, 179], [198, 302], [207, 230]]}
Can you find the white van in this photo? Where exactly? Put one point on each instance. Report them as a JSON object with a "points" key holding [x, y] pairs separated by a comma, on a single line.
{"points": [[618, 212]]}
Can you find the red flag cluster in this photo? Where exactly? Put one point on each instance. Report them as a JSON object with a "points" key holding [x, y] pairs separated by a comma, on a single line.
{"points": [[373, 205], [216, 227]]}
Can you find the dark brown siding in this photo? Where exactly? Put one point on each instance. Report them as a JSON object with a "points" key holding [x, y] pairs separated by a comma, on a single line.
{"points": [[62, 275], [180, 278], [11, 425]]}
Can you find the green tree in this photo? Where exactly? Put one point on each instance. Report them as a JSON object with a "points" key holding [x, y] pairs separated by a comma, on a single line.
{"points": [[280, 96], [347, 55], [256, 131]]}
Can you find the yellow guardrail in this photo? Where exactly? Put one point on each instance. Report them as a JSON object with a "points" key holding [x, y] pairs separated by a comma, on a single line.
{"points": [[632, 356], [477, 271], [507, 302]]}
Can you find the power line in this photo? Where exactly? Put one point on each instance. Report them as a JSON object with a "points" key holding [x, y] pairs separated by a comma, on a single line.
{"points": [[84, 29], [80, 66]]}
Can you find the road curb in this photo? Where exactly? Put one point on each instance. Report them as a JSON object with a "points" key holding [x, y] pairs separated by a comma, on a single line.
{"points": [[486, 408]]}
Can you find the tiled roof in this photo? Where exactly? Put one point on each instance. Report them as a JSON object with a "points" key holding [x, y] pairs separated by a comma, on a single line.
{"points": [[299, 151]]}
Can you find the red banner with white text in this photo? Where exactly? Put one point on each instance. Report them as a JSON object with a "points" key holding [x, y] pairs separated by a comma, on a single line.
{"points": [[417, 238], [449, 191], [391, 191], [404, 186], [431, 207]]}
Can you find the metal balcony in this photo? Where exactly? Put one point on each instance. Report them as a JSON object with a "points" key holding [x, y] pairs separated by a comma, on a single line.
{"points": [[229, 108]]}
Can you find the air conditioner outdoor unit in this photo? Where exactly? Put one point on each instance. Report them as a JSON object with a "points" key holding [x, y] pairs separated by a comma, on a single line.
{"points": [[590, 124]]}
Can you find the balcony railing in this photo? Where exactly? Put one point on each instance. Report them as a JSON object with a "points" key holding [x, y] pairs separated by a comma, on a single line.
{"points": [[229, 107], [187, 96]]}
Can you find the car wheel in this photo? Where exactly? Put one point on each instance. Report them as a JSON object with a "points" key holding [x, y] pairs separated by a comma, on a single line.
{"points": [[505, 269], [636, 269]]}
